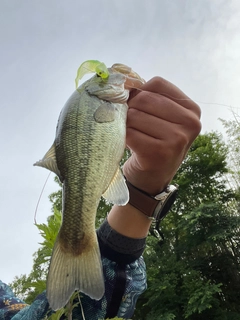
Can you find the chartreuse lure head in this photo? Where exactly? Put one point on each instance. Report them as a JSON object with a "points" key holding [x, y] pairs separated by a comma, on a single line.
{"points": [[92, 66]]}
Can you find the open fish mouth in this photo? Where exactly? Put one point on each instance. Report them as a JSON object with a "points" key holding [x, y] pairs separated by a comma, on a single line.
{"points": [[116, 87]]}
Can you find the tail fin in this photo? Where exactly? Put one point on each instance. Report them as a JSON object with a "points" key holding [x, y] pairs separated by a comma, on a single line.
{"points": [[68, 273]]}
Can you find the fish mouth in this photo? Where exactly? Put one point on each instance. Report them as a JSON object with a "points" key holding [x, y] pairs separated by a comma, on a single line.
{"points": [[116, 88], [132, 80], [111, 89]]}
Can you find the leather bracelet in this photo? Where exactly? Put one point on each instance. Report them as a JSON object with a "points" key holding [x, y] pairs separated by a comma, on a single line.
{"points": [[141, 200]]}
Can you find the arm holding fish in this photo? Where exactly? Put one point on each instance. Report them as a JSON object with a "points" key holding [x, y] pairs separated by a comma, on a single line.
{"points": [[162, 123], [160, 131]]}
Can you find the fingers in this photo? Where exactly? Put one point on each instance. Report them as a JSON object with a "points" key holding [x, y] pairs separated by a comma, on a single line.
{"points": [[163, 110], [156, 148], [165, 88], [161, 118], [162, 123]]}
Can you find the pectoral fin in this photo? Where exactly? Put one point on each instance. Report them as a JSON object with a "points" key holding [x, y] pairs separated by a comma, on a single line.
{"points": [[49, 161], [117, 192], [106, 112]]}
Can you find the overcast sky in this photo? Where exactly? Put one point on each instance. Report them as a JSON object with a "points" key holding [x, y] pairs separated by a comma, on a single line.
{"points": [[193, 43]]}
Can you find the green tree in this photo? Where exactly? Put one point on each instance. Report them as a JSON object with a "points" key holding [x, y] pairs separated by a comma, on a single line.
{"points": [[28, 287], [194, 274], [232, 128]]}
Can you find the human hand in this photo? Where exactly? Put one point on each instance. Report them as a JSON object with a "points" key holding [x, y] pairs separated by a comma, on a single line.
{"points": [[162, 123]]}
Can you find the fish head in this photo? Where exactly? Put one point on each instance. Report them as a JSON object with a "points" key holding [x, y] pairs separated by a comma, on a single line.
{"points": [[116, 87]]}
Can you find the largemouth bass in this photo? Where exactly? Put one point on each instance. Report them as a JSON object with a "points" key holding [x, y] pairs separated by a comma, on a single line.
{"points": [[89, 144]]}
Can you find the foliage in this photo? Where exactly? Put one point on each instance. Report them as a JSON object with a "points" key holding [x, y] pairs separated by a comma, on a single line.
{"points": [[233, 141], [56, 197], [49, 233], [28, 287], [195, 273]]}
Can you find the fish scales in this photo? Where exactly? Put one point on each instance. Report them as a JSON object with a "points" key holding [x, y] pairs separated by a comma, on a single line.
{"points": [[89, 144], [89, 157]]}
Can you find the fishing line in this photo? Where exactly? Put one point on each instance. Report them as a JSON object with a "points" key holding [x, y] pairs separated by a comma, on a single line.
{"points": [[187, 99], [35, 214]]}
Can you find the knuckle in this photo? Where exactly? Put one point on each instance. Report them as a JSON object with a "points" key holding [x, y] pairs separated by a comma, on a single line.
{"points": [[194, 107], [178, 142], [193, 125], [174, 146], [158, 81], [142, 97], [132, 115]]}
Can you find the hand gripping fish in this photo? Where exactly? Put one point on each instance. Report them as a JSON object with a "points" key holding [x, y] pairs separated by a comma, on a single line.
{"points": [[89, 144]]}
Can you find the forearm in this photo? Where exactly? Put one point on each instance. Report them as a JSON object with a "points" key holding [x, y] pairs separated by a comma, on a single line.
{"points": [[129, 221]]}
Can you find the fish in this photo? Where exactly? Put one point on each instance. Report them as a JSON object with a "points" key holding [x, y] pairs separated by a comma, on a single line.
{"points": [[89, 144]]}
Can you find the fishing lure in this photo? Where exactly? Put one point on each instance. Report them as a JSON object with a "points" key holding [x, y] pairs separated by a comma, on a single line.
{"points": [[92, 66]]}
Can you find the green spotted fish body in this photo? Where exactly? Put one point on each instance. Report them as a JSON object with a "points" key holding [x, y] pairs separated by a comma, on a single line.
{"points": [[89, 144]]}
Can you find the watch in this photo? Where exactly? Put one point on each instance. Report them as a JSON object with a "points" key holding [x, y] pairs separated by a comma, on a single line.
{"points": [[154, 207]]}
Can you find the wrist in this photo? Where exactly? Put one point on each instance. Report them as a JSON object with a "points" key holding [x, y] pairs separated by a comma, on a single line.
{"points": [[154, 207], [129, 221], [151, 184]]}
